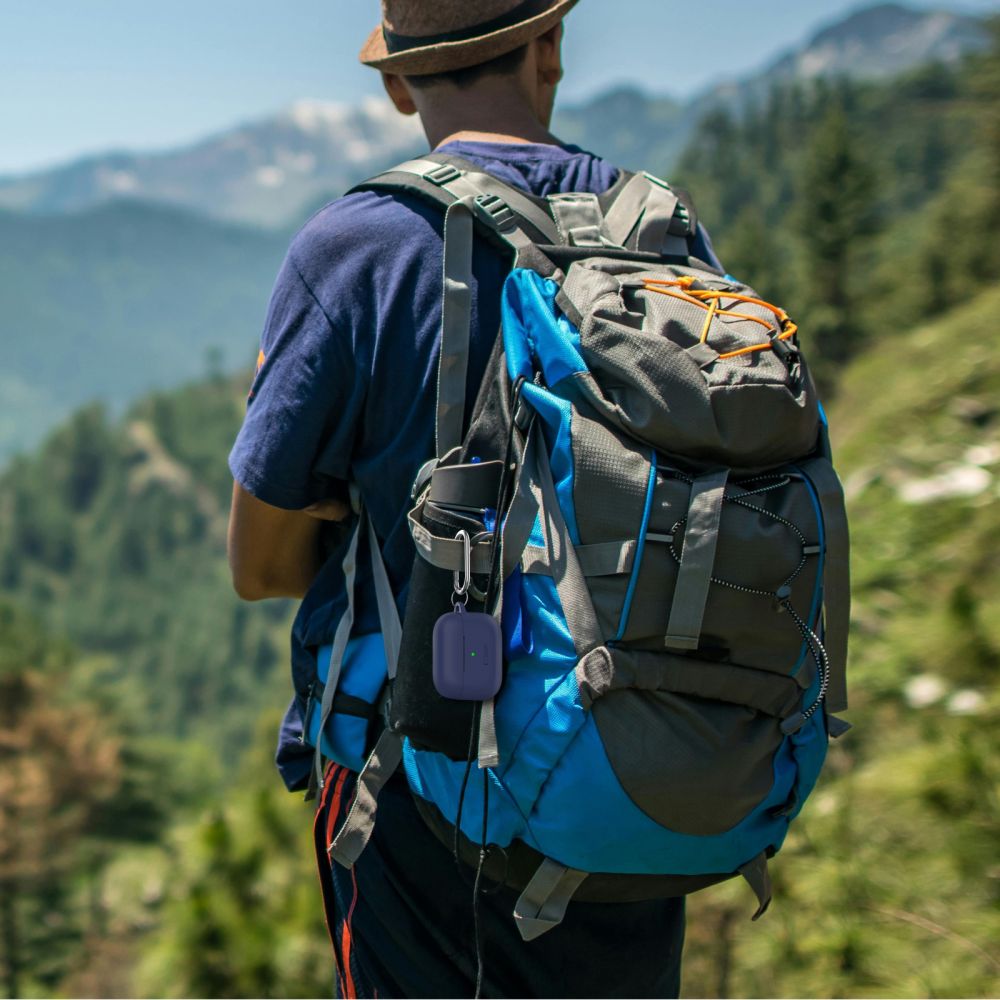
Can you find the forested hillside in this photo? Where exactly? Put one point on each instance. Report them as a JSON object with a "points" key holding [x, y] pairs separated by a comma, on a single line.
{"points": [[118, 300], [145, 845]]}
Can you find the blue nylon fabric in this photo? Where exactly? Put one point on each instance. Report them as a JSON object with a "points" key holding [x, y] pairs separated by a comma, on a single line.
{"points": [[534, 719], [556, 415], [534, 329], [361, 676]]}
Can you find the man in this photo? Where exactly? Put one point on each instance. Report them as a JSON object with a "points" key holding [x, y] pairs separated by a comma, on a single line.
{"points": [[345, 392]]}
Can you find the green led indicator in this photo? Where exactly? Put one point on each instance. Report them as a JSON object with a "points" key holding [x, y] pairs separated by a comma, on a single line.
{"points": [[472, 654]]}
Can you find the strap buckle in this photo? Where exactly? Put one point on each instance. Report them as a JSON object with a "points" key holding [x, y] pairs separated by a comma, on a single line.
{"points": [[443, 175], [496, 210]]}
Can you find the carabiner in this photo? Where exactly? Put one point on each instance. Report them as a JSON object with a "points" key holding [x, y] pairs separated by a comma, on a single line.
{"points": [[462, 586]]}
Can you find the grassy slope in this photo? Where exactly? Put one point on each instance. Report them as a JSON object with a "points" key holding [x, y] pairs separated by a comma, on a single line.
{"points": [[888, 885]]}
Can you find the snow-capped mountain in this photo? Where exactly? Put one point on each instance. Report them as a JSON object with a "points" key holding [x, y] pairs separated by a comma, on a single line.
{"points": [[270, 172], [264, 172]]}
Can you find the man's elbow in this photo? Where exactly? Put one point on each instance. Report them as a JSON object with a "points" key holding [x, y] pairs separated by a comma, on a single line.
{"points": [[250, 587]]}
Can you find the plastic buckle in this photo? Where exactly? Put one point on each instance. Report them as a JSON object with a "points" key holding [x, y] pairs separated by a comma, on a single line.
{"points": [[443, 175], [496, 209]]}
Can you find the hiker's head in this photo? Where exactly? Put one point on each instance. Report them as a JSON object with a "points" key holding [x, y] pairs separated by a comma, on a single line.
{"points": [[437, 64]]}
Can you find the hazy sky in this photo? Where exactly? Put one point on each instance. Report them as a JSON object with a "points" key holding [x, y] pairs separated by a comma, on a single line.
{"points": [[80, 76]]}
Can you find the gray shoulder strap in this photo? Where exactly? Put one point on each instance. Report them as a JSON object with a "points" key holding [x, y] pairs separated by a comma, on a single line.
{"points": [[513, 216], [456, 319], [647, 215]]}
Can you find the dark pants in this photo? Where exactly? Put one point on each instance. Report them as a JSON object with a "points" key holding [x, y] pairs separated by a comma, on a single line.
{"points": [[402, 923]]}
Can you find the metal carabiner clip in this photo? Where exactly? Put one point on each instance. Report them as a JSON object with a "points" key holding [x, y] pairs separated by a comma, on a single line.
{"points": [[462, 585]]}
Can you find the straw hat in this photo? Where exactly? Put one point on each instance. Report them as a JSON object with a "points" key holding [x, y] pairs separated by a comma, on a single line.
{"points": [[417, 37]]}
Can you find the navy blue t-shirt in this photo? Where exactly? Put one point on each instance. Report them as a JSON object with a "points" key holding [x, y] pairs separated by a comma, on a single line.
{"points": [[345, 386]]}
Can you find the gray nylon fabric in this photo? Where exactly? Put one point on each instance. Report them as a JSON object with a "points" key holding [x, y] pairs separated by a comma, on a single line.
{"points": [[542, 905], [611, 477], [701, 539], [837, 578], [694, 765], [606, 670], [353, 836], [579, 218], [340, 638], [759, 879], [456, 317], [748, 412]]}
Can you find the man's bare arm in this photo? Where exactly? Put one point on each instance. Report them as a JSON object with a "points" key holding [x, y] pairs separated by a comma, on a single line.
{"points": [[275, 552]]}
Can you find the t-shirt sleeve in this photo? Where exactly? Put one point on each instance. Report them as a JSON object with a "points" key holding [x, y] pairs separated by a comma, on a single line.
{"points": [[304, 407]]}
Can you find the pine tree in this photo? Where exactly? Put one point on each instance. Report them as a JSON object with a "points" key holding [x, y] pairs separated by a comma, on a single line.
{"points": [[834, 219]]}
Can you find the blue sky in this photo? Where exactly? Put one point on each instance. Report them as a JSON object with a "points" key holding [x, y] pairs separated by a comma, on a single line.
{"points": [[79, 77]]}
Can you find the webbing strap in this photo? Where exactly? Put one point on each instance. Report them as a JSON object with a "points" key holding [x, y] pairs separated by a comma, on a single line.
{"points": [[661, 203], [488, 754], [836, 577], [388, 613], [759, 879], [626, 211], [353, 835], [645, 206], [543, 903], [456, 318], [596, 559], [340, 637], [701, 536], [443, 552]]}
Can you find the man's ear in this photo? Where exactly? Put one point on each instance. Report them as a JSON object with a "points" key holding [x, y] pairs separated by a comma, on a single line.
{"points": [[549, 56], [398, 93]]}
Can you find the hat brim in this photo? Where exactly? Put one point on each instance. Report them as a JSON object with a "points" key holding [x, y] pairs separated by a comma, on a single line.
{"points": [[446, 56]]}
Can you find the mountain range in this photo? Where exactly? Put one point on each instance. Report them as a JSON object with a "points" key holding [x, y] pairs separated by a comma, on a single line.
{"points": [[270, 172]]}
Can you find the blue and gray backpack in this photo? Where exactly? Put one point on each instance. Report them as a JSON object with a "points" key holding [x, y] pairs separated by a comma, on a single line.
{"points": [[645, 504]]}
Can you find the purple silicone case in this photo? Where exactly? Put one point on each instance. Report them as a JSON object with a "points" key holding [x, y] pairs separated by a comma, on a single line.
{"points": [[468, 657]]}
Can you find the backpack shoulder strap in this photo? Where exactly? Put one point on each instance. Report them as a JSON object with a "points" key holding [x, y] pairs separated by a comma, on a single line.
{"points": [[514, 217], [643, 213]]}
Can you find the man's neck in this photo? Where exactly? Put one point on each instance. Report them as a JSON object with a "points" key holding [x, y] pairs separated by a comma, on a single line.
{"points": [[466, 135], [484, 117]]}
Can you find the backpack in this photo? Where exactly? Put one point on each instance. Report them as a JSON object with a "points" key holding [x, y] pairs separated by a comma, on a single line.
{"points": [[644, 502]]}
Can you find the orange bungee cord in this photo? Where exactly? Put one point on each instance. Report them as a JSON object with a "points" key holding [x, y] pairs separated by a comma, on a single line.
{"points": [[711, 300]]}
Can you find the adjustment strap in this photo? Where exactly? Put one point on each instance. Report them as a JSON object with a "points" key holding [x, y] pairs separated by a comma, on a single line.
{"points": [[356, 830], [759, 879], [543, 903], [701, 537]]}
